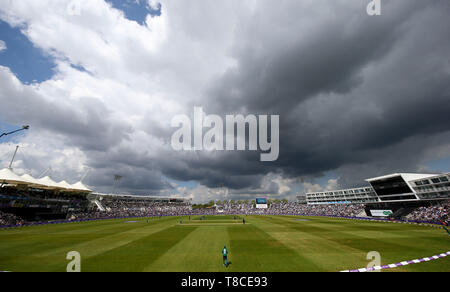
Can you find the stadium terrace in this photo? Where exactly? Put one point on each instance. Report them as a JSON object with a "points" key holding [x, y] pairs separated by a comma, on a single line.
{"points": [[150, 233], [396, 194], [403, 196]]}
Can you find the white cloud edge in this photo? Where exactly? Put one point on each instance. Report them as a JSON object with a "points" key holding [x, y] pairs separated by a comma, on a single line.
{"points": [[3, 46]]}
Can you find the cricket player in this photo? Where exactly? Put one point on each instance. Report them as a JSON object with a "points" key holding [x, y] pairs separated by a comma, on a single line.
{"points": [[225, 256], [446, 229], [445, 225]]}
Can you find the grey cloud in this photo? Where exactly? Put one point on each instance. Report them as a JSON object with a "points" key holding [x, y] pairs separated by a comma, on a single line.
{"points": [[373, 84], [86, 123], [367, 80], [358, 95]]}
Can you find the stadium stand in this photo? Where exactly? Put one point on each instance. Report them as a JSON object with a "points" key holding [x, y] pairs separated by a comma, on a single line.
{"points": [[19, 206], [7, 219], [433, 213], [119, 207]]}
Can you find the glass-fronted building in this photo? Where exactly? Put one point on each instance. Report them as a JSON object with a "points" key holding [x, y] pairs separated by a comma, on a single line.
{"points": [[396, 187]]}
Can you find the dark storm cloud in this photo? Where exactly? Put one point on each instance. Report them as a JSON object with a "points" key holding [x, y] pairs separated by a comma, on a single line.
{"points": [[276, 75], [400, 157], [350, 93], [133, 180], [211, 169], [357, 95]]}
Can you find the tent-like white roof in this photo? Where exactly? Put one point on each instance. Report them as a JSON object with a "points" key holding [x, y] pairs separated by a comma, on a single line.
{"points": [[65, 185], [79, 186], [31, 180], [48, 183], [7, 176]]}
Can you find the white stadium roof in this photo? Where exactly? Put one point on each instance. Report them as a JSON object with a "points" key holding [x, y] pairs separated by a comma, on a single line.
{"points": [[31, 180], [65, 185], [48, 183], [406, 176], [79, 186], [7, 176]]}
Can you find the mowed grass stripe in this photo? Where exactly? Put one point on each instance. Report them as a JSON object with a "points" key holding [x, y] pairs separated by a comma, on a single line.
{"points": [[277, 244], [327, 255], [345, 233], [401, 244], [58, 228], [400, 239], [200, 251], [138, 254], [44, 235], [124, 234], [253, 250], [394, 242], [314, 237], [46, 251]]}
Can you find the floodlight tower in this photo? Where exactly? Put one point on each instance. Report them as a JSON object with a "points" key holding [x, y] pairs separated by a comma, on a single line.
{"points": [[13, 132], [14, 156]]}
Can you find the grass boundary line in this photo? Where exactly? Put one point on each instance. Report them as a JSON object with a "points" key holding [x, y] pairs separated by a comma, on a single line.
{"points": [[401, 264]]}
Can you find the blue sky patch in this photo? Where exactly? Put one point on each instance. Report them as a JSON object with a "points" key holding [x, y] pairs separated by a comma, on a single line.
{"points": [[28, 63], [187, 184], [440, 165], [136, 10]]}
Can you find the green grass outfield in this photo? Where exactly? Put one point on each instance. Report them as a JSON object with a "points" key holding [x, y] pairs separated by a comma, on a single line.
{"points": [[264, 244]]}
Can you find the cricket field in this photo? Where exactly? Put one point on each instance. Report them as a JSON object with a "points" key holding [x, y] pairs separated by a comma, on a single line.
{"points": [[263, 244]]}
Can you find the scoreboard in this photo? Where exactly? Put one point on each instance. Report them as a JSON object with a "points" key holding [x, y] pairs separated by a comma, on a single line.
{"points": [[261, 203]]}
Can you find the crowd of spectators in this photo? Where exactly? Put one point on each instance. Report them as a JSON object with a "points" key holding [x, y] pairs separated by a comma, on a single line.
{"points": [[8, 219], [143, 208], [344, 210], [135, 207], [121, 208], [10, 196], [433, 213], [293, 208]]}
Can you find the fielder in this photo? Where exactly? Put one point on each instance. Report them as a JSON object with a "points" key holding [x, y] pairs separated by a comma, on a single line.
{"points": [[225, 256]]}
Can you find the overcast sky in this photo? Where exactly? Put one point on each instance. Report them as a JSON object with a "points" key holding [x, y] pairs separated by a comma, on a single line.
{"points": [[100, 81]]}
